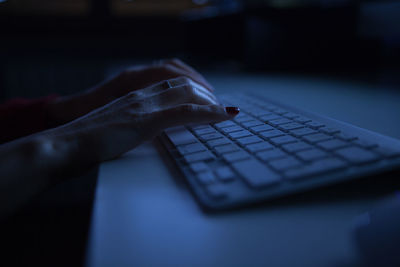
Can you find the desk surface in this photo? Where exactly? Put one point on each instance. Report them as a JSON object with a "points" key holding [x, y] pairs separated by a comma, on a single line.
{"points": [[145, 216]]}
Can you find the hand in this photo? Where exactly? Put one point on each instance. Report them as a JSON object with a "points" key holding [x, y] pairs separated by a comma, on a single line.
{"points": [[68, 108], [51, 156], [126, 122]]}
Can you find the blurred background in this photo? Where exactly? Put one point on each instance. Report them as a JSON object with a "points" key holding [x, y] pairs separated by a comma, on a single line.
{"points": [[63, 46]]}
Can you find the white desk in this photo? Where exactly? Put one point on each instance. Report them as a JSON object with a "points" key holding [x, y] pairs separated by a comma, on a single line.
{"points": [[144, 216]]}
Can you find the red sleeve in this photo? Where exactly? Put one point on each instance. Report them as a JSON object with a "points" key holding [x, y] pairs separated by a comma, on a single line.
{"points": [[21, 117]]}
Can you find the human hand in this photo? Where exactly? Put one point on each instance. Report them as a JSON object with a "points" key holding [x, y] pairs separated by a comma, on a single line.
{"points": [[138, 77], [119, 126]]}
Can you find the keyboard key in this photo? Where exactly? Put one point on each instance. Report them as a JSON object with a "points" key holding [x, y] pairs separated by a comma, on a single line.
{"points": [[231, 129], [261, 128], [280, 121], [218, 142], [180, 136], [283, 140], [253, 148], [191, 148], [312, 154], [285, 163], [365, 144], [243, 117], [210, 136], [315, 138], [271, 154], [226, 148], [252, 123], [315, 124], [249, 140], [206, 177], [291, 115], [291, 126], [199, 156], [294, 147], [333, 144], [270, 117], [272, 133], [302, 131], [236, 156], [199, 167], [346, 137], [198, 127], [216, 191], [329, 130], [202, 131], [239, 134], [224, 124], [302, 119], [357, 155], [255, 173], [316, 167], [225, 174], [260, 112]]}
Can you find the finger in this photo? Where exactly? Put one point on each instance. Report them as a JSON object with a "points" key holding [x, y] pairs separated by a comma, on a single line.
{"points": [[180, 64], [172, 83], [173, 70], [183, 94], [185, 80], [190, 113]]}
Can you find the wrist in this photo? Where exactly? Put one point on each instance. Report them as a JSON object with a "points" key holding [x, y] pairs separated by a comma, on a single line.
{"points": [[60, 153]]}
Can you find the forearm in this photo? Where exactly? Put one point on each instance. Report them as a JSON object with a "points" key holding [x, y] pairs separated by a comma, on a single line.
{"points": [[30, 165], [68, 108]]}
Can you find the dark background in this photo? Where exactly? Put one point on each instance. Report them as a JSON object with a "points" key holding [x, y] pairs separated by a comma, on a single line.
{"points": [[66, 46]]}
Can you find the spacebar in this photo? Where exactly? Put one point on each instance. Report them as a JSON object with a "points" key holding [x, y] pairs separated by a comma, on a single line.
{"points": [[180, 136], [255, 173]]}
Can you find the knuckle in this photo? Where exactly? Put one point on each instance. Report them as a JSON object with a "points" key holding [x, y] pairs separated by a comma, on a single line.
{"points": [[185, 80]]}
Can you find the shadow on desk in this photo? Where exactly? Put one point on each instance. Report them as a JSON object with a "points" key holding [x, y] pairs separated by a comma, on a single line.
{"points": [[53, 229]]}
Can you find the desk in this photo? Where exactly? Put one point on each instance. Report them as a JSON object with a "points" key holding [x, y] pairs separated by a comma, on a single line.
{"points": [[145, 216]]}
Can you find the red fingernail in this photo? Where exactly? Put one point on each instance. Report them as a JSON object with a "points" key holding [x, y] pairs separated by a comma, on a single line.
{"points": [[232, 110]]}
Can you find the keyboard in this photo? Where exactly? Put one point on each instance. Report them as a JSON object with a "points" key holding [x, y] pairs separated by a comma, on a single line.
{"points": [[271, 150]]}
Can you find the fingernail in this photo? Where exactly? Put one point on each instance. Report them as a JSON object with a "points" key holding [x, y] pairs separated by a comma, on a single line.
{"points": [[232, 110]]}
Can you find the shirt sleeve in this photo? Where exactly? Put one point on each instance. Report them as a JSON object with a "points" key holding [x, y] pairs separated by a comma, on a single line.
{"points": [[21, 117]]}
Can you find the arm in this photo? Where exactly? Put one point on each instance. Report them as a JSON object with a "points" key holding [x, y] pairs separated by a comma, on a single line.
{"points": [[67, 108], [30, 165], [22, 117]]}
